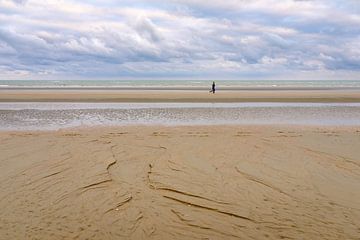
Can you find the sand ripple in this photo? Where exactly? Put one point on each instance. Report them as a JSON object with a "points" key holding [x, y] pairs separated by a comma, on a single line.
{"points": [[181, 183]]}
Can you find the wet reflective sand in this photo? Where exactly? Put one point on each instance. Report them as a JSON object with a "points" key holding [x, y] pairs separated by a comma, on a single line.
{"points": [[47, 116]]}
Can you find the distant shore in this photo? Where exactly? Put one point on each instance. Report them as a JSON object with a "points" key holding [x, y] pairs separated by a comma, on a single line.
{"points": [[176, 88], [178, 95]]}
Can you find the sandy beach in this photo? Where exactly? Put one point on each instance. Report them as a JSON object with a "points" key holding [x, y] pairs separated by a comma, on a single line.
{"points": [[265, 95], [180, 120], [203, 182]]}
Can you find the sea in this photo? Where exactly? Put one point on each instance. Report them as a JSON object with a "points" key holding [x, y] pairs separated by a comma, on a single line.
{"points": [[182, 84], [17, 116]]}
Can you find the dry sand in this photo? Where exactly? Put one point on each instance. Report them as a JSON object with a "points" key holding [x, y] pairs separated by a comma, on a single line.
{"points": [[204, 182], [64, 95]]}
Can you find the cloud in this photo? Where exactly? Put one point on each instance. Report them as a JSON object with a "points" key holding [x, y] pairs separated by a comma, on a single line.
{"points": [[179, 39]]}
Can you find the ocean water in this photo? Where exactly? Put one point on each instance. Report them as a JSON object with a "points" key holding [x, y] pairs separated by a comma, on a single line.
{"points": [[197, 84], [53, 116]]}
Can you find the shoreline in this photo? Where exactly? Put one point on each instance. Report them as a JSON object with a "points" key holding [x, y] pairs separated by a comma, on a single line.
{"points": [[56, 115], [259, 127], [66, 95], [177, 88]]}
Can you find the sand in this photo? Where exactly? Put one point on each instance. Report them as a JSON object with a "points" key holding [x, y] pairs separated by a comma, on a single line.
{"points": [[65, 95], [203, 182]]}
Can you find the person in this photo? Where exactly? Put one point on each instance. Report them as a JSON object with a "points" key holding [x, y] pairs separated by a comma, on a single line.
{"points": [[213, 87]]}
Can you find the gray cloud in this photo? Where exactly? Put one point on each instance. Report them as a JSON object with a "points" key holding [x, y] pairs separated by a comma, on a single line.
{"points": [[185, 38], [19, 1]]}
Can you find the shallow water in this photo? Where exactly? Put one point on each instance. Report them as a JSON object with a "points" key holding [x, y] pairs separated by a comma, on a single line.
{"points": [[52, 116]]}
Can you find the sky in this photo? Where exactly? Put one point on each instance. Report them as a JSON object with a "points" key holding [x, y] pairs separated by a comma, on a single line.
{"points": [[180, 39]]}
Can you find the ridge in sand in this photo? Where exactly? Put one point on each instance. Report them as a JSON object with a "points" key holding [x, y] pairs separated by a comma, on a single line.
{"points": [[214, 182]]}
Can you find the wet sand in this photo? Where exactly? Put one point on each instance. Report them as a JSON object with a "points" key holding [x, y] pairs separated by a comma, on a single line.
{"points": [[203, 182], [269, 95]]}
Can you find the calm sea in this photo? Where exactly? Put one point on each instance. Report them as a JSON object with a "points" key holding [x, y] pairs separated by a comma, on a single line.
{"points": [[179, 84]]}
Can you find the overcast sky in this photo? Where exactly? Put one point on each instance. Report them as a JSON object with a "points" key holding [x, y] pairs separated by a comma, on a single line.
{"points": [[180, 39]]}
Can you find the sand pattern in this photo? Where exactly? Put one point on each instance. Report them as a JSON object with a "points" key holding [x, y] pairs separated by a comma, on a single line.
{"points": [[224, 182]]}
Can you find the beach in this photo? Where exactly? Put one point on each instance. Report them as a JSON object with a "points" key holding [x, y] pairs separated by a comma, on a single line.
{"points": [[171, 164], [181, 182], [188, 95], [180, 120]]}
